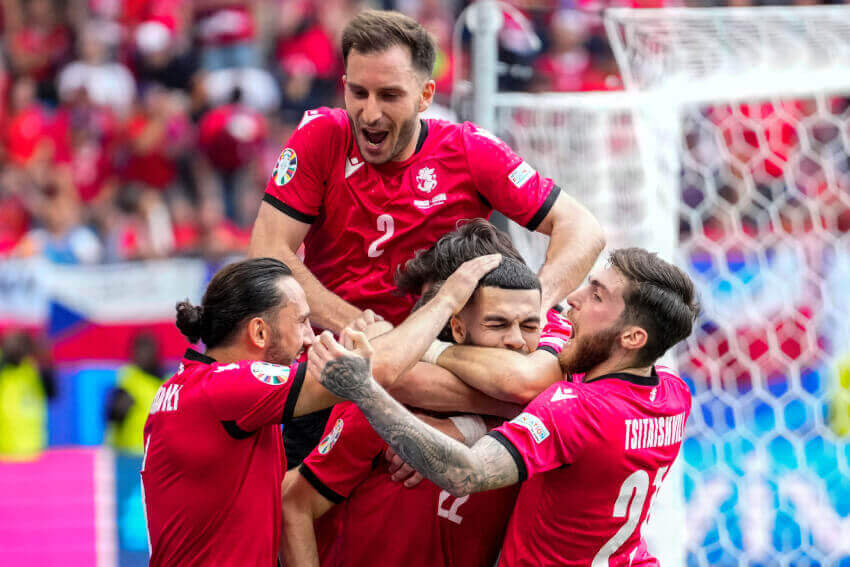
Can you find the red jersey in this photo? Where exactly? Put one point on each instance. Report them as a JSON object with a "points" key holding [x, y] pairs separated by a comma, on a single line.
{"points": [[367, 220], [428, 526], [595, 454], [214, 462]]}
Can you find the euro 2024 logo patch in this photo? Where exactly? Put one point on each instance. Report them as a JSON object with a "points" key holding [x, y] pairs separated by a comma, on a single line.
{"points": [[330, 439], [271, 374], [286, 166]]}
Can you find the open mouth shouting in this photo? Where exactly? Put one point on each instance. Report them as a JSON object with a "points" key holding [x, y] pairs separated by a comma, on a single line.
{"points": [[375, 140]]}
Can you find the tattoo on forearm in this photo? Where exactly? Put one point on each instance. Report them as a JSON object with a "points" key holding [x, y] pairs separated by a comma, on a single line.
{"points": [[347, 377], [446, 462]]}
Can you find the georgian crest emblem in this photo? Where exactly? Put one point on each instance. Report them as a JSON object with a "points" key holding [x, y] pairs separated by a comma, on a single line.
{"points": [[426, 180]]}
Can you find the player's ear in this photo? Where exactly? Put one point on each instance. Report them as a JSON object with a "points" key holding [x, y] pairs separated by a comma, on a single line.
{"points": [[633, 338], [427, 95], [258, 333], [458, 329]]}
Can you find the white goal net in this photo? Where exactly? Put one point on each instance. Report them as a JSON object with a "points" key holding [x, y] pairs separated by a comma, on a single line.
{"points": [[730, 154]]}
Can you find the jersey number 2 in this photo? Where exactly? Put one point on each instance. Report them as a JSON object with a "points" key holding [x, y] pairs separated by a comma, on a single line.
{"points": [[386, 224], [629, 504], [451, 513]]}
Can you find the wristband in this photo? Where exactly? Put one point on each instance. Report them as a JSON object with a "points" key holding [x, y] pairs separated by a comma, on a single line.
{"points": [[471, 426], [434, 351]]}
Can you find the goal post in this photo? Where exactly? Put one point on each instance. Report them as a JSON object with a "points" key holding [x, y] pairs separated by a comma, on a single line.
{"points": [[729, 153]]}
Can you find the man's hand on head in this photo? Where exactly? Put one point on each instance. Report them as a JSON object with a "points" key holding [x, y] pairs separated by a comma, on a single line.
{"points": [[346, 371], [460, 286]]}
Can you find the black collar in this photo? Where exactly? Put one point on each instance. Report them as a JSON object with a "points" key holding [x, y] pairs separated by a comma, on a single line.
{"points": [[192, 354], [651, 380], [423, 133]]}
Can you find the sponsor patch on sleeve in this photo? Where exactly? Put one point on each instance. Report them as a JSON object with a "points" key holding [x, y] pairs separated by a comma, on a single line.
{"points": [[271, 374], [286, 166], [331, 438], [521, 174], [533, 424]]}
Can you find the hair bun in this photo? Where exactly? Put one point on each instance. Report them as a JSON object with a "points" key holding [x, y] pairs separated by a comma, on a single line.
{"points": [[189, 320]]}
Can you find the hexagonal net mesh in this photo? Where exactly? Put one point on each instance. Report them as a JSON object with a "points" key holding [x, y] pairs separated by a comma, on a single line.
{"points": [[751, 195]]}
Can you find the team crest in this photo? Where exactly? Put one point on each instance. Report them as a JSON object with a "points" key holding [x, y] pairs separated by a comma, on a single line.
{"points": [[271, 374], [426, 180], [652, 395], [331, 438], [286, 166]]}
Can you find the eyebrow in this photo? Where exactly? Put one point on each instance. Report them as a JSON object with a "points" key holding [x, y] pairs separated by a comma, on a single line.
{"points": [[382, 89]]}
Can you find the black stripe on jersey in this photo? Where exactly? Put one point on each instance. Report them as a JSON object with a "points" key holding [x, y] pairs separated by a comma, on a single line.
{"points": [[320, 486], [548, 349], [651, 380], [235, 431], [192, 354], [506, 443], [544, 208], [286, 209], [294, 392], [423, 133]]}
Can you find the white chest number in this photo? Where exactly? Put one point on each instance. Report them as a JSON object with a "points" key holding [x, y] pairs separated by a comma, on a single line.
{"points": [[386, 224], [629, 505], [451, 513]]}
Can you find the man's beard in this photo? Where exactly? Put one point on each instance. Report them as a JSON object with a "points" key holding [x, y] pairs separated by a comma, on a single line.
{"points": [[275, 353], [405, 135], [590, 351]]}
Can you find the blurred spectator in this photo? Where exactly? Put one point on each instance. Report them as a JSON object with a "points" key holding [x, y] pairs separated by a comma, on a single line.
{"points": [[159, 59], [107, 82], [62, 237], [226, 31], [129, 402], [24, 391], [159, 135], [41, 44], [90, 134], [563, 66], [140, 227], [29, 136], [308, 57], [230, 137]]}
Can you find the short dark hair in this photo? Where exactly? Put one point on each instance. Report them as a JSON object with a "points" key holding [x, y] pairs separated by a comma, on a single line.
{"points": [[659, 297], [471, 239], [373, 31], [511, 274], [236, 293]]}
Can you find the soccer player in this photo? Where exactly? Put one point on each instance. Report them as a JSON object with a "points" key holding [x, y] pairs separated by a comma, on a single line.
{"points": [[367, 186], [594, 453], [344, 484], [213, 460], [504, 374]]}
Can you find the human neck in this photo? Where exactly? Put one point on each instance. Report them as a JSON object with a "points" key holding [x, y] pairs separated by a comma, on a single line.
{"points": [[231, 353], [613, 367], [410, 149]]}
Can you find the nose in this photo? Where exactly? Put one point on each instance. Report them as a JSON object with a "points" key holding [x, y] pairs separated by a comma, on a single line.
{"points": [[514, 339], [309, 337], [572, 300], [371, 110]]}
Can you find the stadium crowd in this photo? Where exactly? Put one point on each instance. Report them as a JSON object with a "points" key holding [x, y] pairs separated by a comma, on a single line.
{"points": [[148, 128]]}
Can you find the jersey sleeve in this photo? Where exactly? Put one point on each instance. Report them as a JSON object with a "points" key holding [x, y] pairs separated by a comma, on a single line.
{"points": [[508, 183], [549, 433], [344, 457], [556, 333], [297, 183], [247, 395]]}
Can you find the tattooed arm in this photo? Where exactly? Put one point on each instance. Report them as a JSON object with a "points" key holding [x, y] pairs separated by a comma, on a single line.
{"points": [[447, 463]]}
